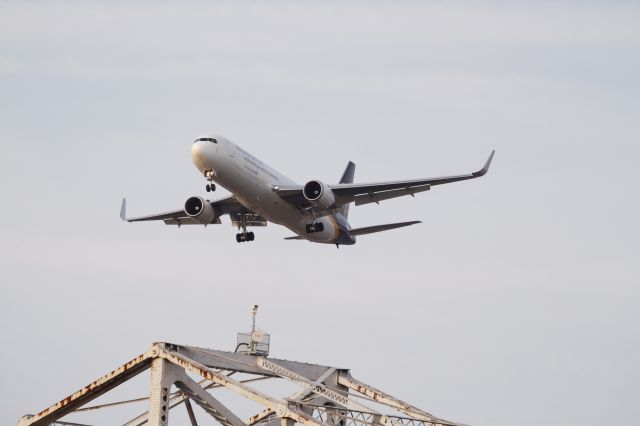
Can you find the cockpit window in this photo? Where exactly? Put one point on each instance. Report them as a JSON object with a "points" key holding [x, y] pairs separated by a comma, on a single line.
{"points": [[206, 140]]}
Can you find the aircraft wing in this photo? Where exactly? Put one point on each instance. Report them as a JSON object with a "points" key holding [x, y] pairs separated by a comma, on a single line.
{"points": [[364, 193], [228, 205]]}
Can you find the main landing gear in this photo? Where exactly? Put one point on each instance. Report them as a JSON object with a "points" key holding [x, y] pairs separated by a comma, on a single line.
{"points": [[314, 227], [210, 186], [245, 236]]}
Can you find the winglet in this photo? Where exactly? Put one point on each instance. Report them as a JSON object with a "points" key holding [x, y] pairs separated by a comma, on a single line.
{"points": [[485, 169], [349, 171], [123, 210]]}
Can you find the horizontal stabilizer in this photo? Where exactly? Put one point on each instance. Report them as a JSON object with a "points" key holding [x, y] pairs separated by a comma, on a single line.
{"points": [[369, 229], [380, 228]]}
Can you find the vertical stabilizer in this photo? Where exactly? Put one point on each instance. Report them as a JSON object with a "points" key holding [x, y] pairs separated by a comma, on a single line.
{"points": [[347, 177]]}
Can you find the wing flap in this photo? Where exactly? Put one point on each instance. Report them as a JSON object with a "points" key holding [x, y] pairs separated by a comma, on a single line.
{"points": [[176, 214], [376, 197], [291, 194], [250, 220], [189, 221]]}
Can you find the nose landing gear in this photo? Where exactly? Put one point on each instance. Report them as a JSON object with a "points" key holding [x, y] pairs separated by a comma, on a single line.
{"points": [[210, 186]]}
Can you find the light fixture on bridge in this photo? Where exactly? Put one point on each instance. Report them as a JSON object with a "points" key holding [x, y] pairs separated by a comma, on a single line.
{"points": [[255, 342]]}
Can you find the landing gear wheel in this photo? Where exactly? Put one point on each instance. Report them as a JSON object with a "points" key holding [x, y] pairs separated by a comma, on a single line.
{"points": [[318, 227], [245, 236], [208, 174], [309, 228]]}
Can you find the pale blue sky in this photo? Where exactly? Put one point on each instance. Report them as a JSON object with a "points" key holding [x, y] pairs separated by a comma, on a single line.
{"points": [[514, 303]]}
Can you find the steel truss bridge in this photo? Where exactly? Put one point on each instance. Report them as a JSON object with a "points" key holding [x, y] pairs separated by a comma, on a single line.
{"points": [[327, 396]]}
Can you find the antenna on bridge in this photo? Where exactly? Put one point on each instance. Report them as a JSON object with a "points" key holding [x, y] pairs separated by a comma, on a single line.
{"points": [[254, 311], [255, 342]]}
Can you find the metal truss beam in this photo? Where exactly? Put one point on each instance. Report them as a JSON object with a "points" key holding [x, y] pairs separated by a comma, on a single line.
{"points": [[245, 363], [90, 392], [342, 417], [310, 386], [176, 399], [192, 416], [162, 378], [297, 396], [207, 402], [373, 416], [383, 398], [280, 406]]}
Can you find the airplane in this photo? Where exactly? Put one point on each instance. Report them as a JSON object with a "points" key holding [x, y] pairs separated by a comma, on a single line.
{"points": [[315, 211]]}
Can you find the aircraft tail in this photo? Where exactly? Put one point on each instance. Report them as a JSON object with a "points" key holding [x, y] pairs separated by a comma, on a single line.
{"points": [[347, 177]]}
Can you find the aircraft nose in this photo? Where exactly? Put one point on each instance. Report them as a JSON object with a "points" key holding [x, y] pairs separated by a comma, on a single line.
{"points": [[202, 153]]}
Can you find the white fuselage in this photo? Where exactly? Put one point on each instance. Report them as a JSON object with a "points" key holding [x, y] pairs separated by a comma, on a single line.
{"points": [[251, 182]]}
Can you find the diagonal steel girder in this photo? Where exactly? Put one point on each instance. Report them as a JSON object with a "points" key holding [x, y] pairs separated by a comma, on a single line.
{"points": [[91, 391], [390, 401], [383, 398], [315, 387], [178, 398], [279, 406], [297, 396], [344, 400], [207, 402]]}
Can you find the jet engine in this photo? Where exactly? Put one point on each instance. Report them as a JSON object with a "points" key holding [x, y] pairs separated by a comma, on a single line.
{"points": [[319, 194], [200, 210]]}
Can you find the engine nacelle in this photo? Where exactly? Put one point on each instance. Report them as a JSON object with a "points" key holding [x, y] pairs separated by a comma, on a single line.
{"points": [[200, 210], [319, 194]]}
